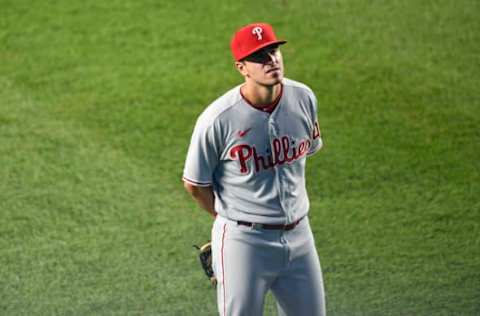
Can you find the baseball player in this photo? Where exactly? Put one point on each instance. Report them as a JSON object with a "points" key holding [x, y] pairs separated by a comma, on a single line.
{"points": [[246, 167]]}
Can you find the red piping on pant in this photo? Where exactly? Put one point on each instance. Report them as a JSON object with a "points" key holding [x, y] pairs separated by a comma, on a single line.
{"points": [[223, 271]]}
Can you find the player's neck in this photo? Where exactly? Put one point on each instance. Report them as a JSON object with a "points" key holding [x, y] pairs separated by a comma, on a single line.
{"points": [[260, 96]]}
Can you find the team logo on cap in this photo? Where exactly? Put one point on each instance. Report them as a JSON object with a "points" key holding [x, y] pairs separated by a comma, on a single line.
{"points": [[258, 31]]}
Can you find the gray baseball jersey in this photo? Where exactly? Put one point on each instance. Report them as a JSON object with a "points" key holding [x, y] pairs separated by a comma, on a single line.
{"points": [[255, 160]]}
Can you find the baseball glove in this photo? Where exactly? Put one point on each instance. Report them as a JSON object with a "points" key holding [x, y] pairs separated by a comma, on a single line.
{"points": [[205, 256]]}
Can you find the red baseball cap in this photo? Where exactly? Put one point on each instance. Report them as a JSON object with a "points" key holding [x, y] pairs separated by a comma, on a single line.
{"points": [[251, 38]]}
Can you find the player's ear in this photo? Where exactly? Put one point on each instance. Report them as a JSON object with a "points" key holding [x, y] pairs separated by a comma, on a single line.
{"points": [[240, 65]]}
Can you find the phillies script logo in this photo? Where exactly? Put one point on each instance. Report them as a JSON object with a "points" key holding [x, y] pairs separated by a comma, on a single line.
{"points": [[282, 153]]}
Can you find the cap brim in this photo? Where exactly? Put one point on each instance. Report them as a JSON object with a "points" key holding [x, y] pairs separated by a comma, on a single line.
{"points": [[248, 53]]}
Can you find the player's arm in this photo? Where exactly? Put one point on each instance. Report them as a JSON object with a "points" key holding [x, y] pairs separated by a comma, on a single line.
{"points": [[203, 196], [316, 135], [201, 162]]}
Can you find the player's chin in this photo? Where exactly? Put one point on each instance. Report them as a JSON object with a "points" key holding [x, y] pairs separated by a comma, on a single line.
{"points": [[274, 77]]}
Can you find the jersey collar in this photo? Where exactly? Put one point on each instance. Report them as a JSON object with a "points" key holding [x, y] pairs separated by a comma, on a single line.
{"points": [[267, 108]]}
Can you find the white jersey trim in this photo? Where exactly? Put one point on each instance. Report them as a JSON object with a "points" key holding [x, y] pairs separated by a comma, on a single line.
{"points": [[197, 183], [317, 148]]}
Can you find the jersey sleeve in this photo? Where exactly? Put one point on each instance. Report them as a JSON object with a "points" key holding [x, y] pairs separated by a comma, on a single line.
{"points": [[315, 134], [202, 156]]}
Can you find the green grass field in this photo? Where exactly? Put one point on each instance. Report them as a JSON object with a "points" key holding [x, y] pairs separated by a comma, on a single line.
{"points": [[97, 103]]}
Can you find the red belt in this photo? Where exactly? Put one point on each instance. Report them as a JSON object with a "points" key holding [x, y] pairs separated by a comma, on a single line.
{"points": [[271, 226]]}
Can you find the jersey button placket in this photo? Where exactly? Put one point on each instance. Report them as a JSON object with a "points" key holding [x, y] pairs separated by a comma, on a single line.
{"points": [[273, 134]]}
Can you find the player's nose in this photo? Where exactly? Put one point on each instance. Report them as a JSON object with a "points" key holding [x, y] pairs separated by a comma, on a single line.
{"points": [[273, 58]]}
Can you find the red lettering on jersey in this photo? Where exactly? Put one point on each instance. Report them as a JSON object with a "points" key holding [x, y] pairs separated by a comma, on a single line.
{"points": [[277, 149], [301, 149], [244, 152], [261, 162], [286, 149], [281, 153]]}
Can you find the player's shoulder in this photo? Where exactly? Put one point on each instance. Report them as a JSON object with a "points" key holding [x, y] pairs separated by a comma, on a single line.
{"points": [[297, 87], [297, 91], [220, 106]]}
